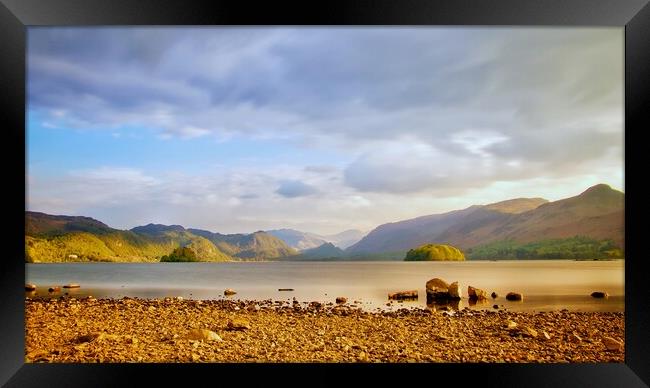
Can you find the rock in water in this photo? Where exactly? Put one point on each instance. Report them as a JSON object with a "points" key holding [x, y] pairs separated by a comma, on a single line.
{"points": [[599, 294], [202, 335], [30, 287], [403, 295], [476, 293], [341, 299], [454, 291], [494, 295], [229, 291], [514, 296], [437, 283], [612, 344], [71, 285], [437, 289], [54, 289]]}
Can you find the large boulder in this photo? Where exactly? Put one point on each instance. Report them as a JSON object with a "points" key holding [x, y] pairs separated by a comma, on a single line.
{"points": [[599, 294], [474, 293], [437, 289], [437, 283], [454, 291], [30, 287], [440, 290], [229, 291], [514, 296]]}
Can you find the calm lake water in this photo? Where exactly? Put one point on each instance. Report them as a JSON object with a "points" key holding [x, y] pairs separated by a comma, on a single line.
{"points": [[546, 285]]}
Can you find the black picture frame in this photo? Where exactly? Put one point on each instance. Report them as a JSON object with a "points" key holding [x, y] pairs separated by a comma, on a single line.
{"points": [[17, 15]]}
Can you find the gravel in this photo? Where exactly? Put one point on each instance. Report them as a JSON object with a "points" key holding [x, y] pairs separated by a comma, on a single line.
{"points": [[154, 330]]}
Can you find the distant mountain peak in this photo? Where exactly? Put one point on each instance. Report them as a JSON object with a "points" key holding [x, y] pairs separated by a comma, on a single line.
{"points": [[600, 188]]}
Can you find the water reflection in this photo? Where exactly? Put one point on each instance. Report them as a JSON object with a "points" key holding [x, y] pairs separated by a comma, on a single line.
{"points": [[438, 304]]}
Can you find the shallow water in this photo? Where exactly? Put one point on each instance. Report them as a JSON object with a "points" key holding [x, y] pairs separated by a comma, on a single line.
{"points": [[546, 285]]}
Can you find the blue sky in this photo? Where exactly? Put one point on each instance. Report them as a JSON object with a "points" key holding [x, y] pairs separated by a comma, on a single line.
{"points": [[318, 129]]}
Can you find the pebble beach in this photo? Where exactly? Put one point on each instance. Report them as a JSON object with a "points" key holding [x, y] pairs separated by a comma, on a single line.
{"points": [[240, 331]]}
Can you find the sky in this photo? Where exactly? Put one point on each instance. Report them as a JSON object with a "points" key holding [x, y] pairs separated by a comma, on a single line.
{"points": [[317, 129]]}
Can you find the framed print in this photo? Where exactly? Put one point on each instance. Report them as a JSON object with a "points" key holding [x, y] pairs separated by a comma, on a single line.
{"points": [[378, 190]]}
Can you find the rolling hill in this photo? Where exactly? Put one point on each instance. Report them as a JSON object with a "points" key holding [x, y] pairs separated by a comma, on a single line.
{"points": [[255, 246], [596, 213], [325, 251], [52, 238]]}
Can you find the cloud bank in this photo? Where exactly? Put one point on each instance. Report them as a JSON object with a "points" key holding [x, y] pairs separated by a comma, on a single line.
{"points": [[416, 115]]}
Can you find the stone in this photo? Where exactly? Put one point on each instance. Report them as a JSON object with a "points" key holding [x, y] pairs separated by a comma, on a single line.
{"points": [[494, 295], [454, 291], [30, 287], [496, 306], [514, 296], [341, 299], [573, 337], [599, 294], [527, 331], [612, 344], [511, 325], [54, 289], [71, 285], [87, 337], [403, 295], [476, 293], [238, 324], [285, 289], [437, 283], [546, 335], [203, 335], [229, 291]]}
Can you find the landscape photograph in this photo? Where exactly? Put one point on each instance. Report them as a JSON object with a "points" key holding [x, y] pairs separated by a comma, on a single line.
{"points": [[324, 195]]}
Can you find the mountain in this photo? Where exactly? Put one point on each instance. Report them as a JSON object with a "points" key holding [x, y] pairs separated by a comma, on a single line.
{"points": [[52, 238], [345, 238], [325, 251], [258, 246], [41, 223], [596, 213], [297, 239], [304, 240]]}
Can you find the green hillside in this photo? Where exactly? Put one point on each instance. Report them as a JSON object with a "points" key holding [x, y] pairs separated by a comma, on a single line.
{"points": [[255, 246], [56, 239], [434, 252], [579, 247]]}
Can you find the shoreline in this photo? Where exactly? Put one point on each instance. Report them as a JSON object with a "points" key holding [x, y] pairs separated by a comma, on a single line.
{"points": [[164, 330]]}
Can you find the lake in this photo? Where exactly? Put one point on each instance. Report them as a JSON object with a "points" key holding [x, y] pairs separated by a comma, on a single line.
{"points": [[546, 285]]}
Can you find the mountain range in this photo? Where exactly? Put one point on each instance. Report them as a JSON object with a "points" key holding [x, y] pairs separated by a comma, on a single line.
{"points": [[51, 238], [597, 215], [304, 240]]}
